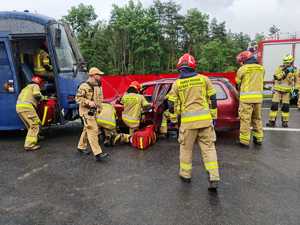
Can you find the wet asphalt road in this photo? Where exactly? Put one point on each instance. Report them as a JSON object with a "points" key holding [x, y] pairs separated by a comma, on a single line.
{"points": [[56, 185]]}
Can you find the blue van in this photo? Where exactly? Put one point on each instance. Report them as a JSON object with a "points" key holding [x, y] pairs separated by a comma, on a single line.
{"points": [[21, 35]]}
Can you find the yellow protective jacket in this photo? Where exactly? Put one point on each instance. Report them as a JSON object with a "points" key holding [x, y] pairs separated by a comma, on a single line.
{"points": [[41, 61], [250, 79], [192, 95], [107, 117], [133, 105], [28, 98], [282, 82], [88, 91]]}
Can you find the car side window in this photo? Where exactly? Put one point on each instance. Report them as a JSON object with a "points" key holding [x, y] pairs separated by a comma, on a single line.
{"points": [[221, 95]]}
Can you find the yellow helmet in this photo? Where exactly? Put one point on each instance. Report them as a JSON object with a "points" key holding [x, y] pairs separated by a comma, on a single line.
{"points": [[288, 59], [95, 71]]}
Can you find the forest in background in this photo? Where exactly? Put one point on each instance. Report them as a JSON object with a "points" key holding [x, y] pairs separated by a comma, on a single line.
{"points": [[142, 40]]}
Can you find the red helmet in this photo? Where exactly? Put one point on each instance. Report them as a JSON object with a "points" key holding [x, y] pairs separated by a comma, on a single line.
{"points": [[135, 85], [244, 56], [38, 80], [186, 60]]}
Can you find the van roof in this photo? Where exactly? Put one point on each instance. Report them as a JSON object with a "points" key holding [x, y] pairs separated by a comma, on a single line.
{"points": [[37, 18]]}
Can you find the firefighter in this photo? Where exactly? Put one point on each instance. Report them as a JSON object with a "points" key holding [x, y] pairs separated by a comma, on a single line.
{"points": [[167, 117], [191, 92], [26, 106], [250, 82], [284, 80], [133, 104], [42, 65], [89, 98], [297, 88], [106, 120]]}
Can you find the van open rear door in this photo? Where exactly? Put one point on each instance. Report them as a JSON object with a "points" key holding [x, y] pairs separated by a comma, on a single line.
{"points": [[9, 119]]}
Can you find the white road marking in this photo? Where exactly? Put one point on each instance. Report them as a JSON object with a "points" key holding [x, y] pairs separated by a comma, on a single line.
{"points": [[26, 175], [291, 109], [281, 129]]}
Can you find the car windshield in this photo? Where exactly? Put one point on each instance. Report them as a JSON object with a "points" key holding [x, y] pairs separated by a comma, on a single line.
{"points": [[221, 95], [64, 53]]}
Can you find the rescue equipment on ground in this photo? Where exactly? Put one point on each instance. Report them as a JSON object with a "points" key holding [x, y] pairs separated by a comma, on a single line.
{"points": [[144, 138]]}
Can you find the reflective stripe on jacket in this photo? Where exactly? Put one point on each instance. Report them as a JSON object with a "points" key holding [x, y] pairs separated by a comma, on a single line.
{"points": [[192, 94], [133, 105], [250, 78], [106, 118], [27, 98]]}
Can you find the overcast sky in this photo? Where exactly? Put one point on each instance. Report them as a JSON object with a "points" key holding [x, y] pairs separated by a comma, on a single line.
{"points": [[248, 16]]}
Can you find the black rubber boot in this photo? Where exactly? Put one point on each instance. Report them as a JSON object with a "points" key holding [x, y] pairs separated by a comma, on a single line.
{"points": [[185, 180], [285, 124], [101, 157], [84, 151], [271, 124], [213, 185], [255, 141]]}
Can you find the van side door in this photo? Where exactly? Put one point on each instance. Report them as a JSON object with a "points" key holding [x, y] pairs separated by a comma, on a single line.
{"points": [[9, 119]]}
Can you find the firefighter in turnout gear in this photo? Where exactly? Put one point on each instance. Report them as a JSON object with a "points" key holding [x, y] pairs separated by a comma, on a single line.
{"points": [[89, 97], [284, 81], [106, 120], [133, 105], [26, 108], [297, 88], [250, 82], [192, 92]]}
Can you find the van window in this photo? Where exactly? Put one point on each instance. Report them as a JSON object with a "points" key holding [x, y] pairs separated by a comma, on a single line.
{"points": [[221, 95], [5, 69], [64, 53]]}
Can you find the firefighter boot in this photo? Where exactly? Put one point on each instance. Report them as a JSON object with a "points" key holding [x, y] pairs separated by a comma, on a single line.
{"points": [[271, 124], [185, 180], [101, 157], [213, 185], [35, 147], [83, 151], [255, 141], [285, 124]]}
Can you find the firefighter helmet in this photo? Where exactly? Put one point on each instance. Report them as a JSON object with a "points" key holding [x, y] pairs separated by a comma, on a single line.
{"points": [[288, 59], [38, 80], [135, 85], [95, 71], [187, 60], [242, 57]]}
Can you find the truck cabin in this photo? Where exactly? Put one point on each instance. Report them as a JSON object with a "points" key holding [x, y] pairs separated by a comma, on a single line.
{"points": [[33, 44]]}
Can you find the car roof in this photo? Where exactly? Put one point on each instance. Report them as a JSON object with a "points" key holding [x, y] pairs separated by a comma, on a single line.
{"points": [[171, 81]]}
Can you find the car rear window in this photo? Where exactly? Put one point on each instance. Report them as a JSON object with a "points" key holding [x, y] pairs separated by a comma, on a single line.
{"points": [[221, 95]]}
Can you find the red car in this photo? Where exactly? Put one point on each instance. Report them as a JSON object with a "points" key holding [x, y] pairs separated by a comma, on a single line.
{"points": [[155, 92]]}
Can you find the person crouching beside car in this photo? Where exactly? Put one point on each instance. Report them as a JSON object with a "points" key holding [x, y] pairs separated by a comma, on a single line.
{"points": [[133, 103]]}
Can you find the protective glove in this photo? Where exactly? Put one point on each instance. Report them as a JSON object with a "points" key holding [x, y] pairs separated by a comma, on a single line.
{"points": [[214, 122], [290, 69]]}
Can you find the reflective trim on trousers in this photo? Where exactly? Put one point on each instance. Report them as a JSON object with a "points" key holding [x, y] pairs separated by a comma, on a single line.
{"points": [[273, 115], [245, 138], [259, 135], [186, 166], [31, 140], [195, 116], [285, 116], [211, 165]]}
